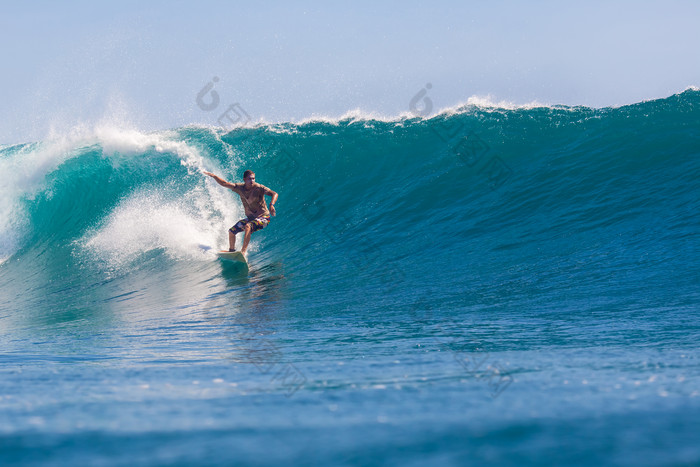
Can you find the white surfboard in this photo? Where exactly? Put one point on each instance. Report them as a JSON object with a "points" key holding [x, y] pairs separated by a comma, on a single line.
{"points": [[234, 256]]}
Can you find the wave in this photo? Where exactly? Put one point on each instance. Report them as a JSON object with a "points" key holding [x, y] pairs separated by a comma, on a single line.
{"points": [[500, 187]]}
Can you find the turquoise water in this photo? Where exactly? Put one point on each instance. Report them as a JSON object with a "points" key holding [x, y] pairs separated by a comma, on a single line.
{"points": [[487, 285]]}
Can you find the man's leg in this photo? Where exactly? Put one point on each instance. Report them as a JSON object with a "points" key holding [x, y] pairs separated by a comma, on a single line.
{"points": [[246, 238], [231, 241]]}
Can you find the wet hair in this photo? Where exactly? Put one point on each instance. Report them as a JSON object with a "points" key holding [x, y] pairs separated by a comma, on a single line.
{"points": [[247, 174]]}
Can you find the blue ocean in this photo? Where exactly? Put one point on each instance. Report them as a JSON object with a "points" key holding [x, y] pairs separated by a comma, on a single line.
{"points": [[486, 285]]}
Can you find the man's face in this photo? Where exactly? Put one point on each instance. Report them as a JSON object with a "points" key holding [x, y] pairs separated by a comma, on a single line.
{"points": [[249, 180]]}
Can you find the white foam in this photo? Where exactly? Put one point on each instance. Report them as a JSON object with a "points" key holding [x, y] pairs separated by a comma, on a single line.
{"points": [[150, 220], [487, 102], [490, 102], [354, 116]]}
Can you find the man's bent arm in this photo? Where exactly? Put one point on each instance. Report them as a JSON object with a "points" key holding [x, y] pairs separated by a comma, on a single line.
{"points": [[220, 180], [272, 201]]}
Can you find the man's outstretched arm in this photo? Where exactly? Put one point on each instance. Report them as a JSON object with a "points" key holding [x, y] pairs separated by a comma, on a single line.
{"points": [[220, 180]]}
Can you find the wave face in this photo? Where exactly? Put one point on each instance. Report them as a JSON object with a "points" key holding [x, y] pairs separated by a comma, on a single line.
{"points": [[557, 229]]}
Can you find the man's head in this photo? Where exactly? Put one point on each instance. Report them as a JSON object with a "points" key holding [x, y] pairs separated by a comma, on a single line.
{"points": [[248, 178]]}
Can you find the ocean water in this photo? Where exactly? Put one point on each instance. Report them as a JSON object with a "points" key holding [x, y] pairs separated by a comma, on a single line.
{"points": [[488, 285]]}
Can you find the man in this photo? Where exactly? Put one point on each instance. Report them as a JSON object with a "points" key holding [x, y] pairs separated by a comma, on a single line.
{"points": [[253, 198]]}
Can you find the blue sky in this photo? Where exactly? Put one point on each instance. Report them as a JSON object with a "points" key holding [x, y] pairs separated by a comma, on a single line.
{"points": [[141, 64]]}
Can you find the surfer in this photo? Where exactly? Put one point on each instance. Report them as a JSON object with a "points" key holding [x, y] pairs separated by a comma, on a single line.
{"points": [[253, 198]]}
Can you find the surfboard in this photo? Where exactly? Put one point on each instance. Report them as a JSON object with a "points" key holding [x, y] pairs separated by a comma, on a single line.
{"points": [[235, 256]]}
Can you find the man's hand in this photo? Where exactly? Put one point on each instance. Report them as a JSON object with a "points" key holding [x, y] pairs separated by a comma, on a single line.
{"points": [[272, 210], [208, 173]]}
